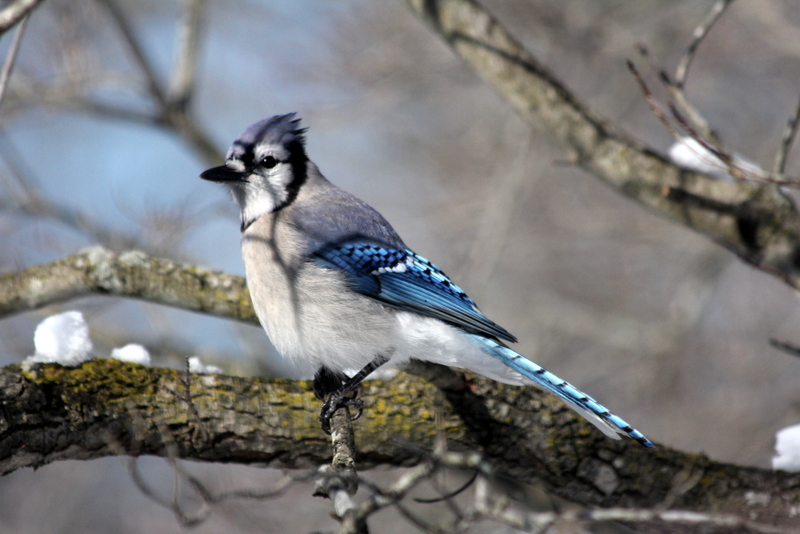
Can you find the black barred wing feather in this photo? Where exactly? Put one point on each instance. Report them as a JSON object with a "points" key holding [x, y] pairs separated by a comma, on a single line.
{"points": [[404, 280]]}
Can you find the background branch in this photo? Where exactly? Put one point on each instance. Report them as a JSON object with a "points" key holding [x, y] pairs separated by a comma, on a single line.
{"points": [[15, 12], [188, 33], [8, 66], [789, 133], [716, 11], [755, 221], [134, 274]]}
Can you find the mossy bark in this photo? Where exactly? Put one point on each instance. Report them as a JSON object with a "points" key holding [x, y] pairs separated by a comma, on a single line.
{"points": [[107, 407]]}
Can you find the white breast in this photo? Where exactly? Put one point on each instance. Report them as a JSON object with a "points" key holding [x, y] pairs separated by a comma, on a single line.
{"points": [[307, 311]]}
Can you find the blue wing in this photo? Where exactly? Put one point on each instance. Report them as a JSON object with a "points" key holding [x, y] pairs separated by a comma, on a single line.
{"points": [[402, 279]]}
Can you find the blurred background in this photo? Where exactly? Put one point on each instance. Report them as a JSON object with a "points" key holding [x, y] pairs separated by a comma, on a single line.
{"points": [[656, 322]]}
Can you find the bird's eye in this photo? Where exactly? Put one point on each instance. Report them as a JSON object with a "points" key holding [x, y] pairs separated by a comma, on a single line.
{"points": [[269, 162]]}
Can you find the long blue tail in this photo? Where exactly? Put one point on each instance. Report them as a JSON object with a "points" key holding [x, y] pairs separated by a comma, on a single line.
{"points": [[594, 412]]}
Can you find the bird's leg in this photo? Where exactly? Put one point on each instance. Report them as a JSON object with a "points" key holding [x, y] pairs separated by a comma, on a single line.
{"points": [[327, 381], [340, 398]]}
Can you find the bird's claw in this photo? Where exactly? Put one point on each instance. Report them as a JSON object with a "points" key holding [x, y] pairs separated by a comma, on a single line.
{"points": [[359, 406], [338, 400]]}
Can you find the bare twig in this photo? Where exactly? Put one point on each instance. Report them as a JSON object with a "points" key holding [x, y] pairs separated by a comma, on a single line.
{"points": [[611, 156], [787, 139], [789, 348], [694, 115], [721, 158], [109, 111], [208, 498], [700, 32], [730, 164], [392, 496], [139, 428], [171, 107], [691, 121], [542, 521], [138, 52], [677, 89], [489, 505], [14, 12], [339, 480], [172, 114], [12, 56], [654, 105], [183, 75], [396, 492], [447, 495]]}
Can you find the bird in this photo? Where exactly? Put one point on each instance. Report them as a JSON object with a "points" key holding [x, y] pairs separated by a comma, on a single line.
{"points": [[336, 288]]}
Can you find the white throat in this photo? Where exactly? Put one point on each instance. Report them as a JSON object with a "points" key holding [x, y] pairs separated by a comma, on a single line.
{"points": [[260, 195]]}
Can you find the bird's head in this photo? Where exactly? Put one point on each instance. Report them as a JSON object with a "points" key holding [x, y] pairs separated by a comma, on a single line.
{"points": [[264, 167]]}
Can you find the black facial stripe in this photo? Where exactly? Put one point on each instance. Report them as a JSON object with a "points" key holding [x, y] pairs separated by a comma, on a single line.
{"points": [[244, 154]]}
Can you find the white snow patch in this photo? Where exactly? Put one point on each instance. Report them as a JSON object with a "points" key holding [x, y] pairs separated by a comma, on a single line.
{"points": [[63, 339], [688, 153], [132, 353], [787, 449], [196, 366]]}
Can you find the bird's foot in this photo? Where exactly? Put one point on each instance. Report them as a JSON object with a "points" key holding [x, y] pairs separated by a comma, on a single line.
{"points": [[336, 400]]}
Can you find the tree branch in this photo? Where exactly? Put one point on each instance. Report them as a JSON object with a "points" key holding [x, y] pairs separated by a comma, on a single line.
{"points": [[755, 221], [135, 47], [5, 74], [53, 413], [339, 480], [183, 75], [134, 274], [107, 407], [15, 12]]}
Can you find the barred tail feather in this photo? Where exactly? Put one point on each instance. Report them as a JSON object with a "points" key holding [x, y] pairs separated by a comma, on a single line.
{"points": [[597, 414]]}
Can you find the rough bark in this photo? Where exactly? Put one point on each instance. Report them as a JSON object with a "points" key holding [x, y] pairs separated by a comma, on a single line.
{"points": [[107, 407], [134, 274]]}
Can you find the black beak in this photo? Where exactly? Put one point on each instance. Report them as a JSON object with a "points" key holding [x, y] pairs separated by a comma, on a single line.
{"points": [[222, 173]]}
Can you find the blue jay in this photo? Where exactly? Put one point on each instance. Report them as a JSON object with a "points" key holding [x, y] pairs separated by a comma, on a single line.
{"points": [[334, 286]]}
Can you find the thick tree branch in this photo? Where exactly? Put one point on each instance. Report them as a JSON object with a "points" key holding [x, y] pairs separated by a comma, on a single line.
{"points": [[755, 221], [106, 407]]}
